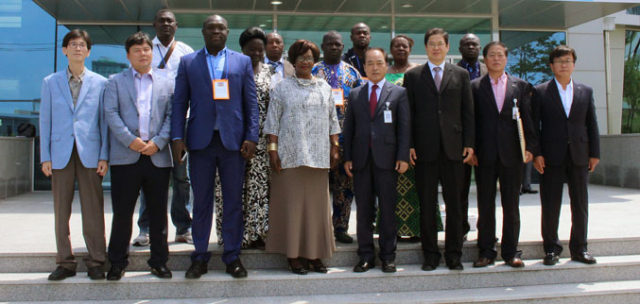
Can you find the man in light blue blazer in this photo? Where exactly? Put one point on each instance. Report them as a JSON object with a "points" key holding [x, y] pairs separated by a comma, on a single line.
{"points": [[73, 146], [138, 110], [217, 85]]}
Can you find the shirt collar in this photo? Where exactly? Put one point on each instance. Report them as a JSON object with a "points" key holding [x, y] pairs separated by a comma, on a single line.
{"points": [[279, 62], [569, 87], [157, 41], [222, 52], [431, 65], [70, 75], [135, 73], [501, 79], [380, 83]]}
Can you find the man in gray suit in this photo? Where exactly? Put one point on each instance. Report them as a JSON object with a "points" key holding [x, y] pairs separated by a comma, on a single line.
{"points": [[138, 111], [377, 135]]}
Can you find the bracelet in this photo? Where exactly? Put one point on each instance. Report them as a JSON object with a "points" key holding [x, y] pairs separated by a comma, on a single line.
{"points": [[272, 147], [336, 143]]}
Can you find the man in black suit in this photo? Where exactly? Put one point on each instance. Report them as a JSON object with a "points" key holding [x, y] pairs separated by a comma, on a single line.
{"points": [[499, 99], [569, 149], [377, 138], [470, 50], [443, 139]]}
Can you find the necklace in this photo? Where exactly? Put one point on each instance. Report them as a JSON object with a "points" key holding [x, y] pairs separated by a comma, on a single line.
{"points": [[304, 82]]}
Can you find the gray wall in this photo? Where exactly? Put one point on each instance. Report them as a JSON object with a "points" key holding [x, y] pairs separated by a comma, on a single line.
{"points": [[16, 166], [620, 161]]}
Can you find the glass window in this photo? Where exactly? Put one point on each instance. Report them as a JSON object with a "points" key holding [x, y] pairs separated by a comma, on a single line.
{"points": [[529, 53], [631, 90]]}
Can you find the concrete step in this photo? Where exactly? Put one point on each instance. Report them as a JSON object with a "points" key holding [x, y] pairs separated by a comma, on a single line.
{"points": [[584, 293], [339, 281], [346, 256]]}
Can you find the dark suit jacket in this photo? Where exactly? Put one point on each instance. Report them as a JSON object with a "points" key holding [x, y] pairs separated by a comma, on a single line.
{"points": [[440, 117], [497, 133], [483, 68], [238, 116], [579, 132], [389, 141]]}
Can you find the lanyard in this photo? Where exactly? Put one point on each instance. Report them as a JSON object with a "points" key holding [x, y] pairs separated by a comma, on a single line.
{"points": [[161, 57], [212, 71]]}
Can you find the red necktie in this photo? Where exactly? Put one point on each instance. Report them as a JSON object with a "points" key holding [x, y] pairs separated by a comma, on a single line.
{"points": [[373, 100]]}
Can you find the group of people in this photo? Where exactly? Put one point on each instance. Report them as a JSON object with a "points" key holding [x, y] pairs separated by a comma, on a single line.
{"points": [[270, 143]]}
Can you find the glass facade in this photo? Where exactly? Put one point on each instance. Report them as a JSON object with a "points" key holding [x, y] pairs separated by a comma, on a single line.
{"points": [[631, 87], [529, 53]]}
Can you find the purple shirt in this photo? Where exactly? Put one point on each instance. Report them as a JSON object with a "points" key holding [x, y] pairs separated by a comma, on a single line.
{"points": [[144, 88]]}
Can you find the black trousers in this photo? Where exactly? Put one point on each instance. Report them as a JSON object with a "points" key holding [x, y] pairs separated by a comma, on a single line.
{"points": [[450, 174], [369, 183], [551, 187], [126, 182], [510, 179], [464, 200]]}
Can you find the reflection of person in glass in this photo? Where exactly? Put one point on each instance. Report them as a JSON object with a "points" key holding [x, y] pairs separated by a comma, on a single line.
{"points": [[303, 129], [342, 77], [256, 178], [73, 146], [569, 149]]}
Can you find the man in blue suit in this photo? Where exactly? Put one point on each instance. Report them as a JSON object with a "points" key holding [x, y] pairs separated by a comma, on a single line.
{"points": [[73, 146], [137, 106], [217, 85]]}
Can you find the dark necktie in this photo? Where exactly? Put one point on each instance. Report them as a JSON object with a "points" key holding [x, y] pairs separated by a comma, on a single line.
{"points": [[438, 78], [373, 100]]}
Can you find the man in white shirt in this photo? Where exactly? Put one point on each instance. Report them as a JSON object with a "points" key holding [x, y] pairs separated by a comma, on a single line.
{"points": [[273, 57], [166, 59]]}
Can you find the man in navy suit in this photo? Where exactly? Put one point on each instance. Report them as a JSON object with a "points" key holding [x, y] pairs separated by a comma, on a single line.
{"points": [[377, 133], [569, 148], [74, 146], [217, 85]]}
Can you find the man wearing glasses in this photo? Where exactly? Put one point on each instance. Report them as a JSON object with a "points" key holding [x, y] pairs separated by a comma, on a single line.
{"points": [[73, 146], [443, 132], [565, 119]]}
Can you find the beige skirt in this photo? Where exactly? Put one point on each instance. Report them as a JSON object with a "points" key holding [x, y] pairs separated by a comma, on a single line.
{"points": [[300, 214]]}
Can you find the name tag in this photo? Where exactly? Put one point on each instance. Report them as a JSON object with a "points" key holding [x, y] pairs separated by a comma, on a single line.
{"points": [[388, 118], [365, 80], [515, 112], [338, 96], [221, 89]]}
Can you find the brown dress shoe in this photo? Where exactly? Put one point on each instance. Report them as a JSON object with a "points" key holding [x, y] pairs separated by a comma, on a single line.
{"points": [[515, 263], [483, 262]]}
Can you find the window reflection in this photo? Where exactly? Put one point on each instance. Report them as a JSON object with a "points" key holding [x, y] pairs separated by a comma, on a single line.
{"points": [[529, 53], [631, 91]]}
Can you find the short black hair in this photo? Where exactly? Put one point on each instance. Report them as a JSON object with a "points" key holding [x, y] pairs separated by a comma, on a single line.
{"points": [[485, 51], [562, 50], [251, 33], [162, 11], [436, 31], [136, 39], [381, 50], [76, 33], [300, 47], [401, 36]]}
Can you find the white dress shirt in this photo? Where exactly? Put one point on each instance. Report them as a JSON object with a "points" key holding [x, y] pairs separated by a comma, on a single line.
{"points": [[160, 51], [144, 88], [433, 73], [566, 96], [378, 89]]}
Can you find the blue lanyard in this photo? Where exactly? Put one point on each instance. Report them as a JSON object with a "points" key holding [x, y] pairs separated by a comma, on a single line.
{"points": [[212, 71], [161, 57]]}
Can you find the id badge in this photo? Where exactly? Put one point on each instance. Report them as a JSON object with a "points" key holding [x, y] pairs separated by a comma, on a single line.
{"points": [[338, 96], [221, 89], [365, 80], [388, 118], [515, 113]]}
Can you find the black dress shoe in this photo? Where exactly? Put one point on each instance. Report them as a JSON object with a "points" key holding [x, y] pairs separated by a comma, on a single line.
{"points": [[196, 270], [115, 273], [388, 266], [297, 266], [551, 258], [428, 266], [364, 266], [236, 270], [161, 272], [483, 262], [95, 273], [343, 237], [583, 257], [317, 266], [61, 273], [529, 191], [455, 265]]}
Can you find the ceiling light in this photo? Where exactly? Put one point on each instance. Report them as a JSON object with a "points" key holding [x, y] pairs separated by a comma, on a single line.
{"points": [[263, 25], [276, 2], [406, 5], [384, 27]]}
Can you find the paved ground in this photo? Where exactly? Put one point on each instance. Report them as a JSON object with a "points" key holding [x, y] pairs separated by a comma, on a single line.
{"points": [[27, 220]]}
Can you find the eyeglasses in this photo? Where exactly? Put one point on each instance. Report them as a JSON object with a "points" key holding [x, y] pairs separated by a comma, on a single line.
{"points": [[303, 59], [74, 45], [563, 62], [436, 45]]}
